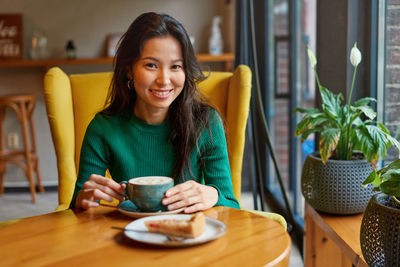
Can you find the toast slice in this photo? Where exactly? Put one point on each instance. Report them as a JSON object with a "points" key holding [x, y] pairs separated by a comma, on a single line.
{"points": [[183, 228]]}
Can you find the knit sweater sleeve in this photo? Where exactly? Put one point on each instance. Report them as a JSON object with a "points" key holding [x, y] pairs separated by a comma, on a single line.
{"points": [[216, 169], [94, 156]]}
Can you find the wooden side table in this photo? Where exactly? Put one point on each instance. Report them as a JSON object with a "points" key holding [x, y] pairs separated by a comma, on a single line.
{"points": [[26, 158], [332, 240]]}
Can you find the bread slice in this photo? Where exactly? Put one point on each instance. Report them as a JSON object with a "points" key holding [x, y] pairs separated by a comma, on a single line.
{"points": [[183, 228]]}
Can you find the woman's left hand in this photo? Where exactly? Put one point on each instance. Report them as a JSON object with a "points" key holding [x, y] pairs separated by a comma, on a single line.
{"points": [[190, 195]]}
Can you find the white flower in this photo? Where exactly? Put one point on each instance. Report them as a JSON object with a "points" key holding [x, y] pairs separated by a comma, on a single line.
{"points": [[355, 56], [311, 57]]}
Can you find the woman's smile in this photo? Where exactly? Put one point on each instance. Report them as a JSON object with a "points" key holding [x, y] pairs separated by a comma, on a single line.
{"points": [[161, 93]]}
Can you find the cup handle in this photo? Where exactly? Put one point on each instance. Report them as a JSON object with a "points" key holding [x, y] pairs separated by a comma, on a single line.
{"points": [[126, 197]]}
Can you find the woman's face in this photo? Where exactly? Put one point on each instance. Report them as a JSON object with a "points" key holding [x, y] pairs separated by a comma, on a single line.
{"points": [[158, 78]]}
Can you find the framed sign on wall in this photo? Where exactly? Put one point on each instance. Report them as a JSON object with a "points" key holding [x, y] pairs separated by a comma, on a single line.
{"points": [[10, 36]]}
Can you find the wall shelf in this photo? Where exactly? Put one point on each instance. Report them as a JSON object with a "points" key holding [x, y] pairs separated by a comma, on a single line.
{"points": [[227, 59]]}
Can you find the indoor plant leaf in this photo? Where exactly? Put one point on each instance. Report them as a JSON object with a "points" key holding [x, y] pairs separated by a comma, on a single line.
{"points": [[305, 134], [364, 101], [309, 122], [328, 141], [330, 102], [373, 178], [307, 110], [395, 165], [393, 174], [378, 138], [367, 146], [391, 188], [368, 111]]}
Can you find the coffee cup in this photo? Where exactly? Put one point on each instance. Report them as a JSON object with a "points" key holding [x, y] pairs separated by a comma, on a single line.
{"points": [[147, 192]]}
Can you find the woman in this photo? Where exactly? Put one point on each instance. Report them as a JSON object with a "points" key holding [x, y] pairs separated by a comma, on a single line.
{"points": [[156, 124]]}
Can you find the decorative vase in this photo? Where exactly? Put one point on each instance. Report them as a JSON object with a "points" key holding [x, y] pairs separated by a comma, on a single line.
{"points": [[336, 188], [380, 232]]}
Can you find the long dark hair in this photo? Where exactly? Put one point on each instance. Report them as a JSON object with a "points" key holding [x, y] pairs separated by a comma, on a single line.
{"points": [[188, 114]]}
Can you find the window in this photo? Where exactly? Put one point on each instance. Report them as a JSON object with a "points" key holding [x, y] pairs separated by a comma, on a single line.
{"points": [[388, 71], [293, 28]]}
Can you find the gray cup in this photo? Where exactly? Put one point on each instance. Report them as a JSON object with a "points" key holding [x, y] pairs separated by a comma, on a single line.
{"points": [[147, 192]]}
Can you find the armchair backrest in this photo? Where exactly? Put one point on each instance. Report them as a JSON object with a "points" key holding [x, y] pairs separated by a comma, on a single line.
{"points": [[72, 101]]}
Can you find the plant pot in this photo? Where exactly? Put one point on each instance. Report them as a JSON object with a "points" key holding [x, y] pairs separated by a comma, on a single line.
{"points": [[336, 188], [380, 232]]}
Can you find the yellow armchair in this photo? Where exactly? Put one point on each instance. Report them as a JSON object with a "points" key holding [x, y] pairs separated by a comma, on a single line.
{"points": [[72, 101]]}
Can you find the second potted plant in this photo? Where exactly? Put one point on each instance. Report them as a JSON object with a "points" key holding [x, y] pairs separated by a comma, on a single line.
{"points": [[350, 146], [380, 227]]}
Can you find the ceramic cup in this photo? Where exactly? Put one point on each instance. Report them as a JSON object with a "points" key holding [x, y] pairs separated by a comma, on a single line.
{"points": [[147, 192]]}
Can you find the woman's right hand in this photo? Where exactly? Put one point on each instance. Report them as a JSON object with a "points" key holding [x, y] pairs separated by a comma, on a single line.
{"points": [[97, 188]]}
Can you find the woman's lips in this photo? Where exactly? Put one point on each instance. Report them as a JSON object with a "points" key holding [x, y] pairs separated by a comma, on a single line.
{"points": [[161, 93]]}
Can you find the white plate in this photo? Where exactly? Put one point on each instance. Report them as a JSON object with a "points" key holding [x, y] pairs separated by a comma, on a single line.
{"points": [[214, 229], [128, 208]]}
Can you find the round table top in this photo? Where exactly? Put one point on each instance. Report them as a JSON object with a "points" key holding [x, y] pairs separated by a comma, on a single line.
{"points": [[80, 238]]}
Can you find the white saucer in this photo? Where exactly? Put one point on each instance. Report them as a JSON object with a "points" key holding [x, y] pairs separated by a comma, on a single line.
{"points": [[128, 208], [214, 229]]}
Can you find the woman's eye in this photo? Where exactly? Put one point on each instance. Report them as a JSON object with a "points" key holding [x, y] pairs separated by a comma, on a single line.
{"points": [[151, 65], [176, 67]]}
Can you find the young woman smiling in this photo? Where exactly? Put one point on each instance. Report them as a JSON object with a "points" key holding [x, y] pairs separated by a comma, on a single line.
{"points": [[155, 123]]}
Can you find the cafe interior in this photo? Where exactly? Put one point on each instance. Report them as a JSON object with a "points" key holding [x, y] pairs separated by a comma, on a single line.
{"points": [[281, 74]]}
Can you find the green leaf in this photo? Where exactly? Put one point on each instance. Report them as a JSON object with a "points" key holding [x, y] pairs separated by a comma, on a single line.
{"points": [[367, 144], [358, 122], [392, 166], [373, 178], [307, 133], [342, 117], [368, 111], [383, 127], [307, 110], [378, 137], [391, 188], [393, 174], [310, 122], [364, 101], [302, 126], [328, 142], [393, 141], [330, 102]]}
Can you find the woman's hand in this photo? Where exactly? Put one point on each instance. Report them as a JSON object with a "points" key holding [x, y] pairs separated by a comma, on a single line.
{"points": [[97, 188], [190, 195]]}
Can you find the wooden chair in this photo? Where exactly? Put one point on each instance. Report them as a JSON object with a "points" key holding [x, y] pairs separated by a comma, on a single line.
{"points": [[26, 158], [72, 101]]}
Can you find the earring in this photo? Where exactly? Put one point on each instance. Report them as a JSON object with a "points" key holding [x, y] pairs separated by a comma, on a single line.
{"points": [[130, 84]]}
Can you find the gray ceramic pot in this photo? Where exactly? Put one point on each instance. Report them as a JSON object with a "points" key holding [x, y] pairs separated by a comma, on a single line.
{"points": [[336, 188], [380, 232]]}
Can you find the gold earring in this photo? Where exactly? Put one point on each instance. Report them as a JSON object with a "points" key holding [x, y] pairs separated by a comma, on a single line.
{"points": [[130, 84]]}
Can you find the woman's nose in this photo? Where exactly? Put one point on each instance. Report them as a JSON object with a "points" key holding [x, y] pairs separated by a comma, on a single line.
{"points": [[163, 77]]}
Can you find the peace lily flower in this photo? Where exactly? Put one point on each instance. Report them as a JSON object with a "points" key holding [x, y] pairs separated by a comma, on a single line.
{"points": [[355, 56], [311, 57]]}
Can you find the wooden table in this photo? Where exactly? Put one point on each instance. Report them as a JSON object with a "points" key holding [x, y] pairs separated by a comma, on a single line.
{"points": [[332, 240], [85, 238]]}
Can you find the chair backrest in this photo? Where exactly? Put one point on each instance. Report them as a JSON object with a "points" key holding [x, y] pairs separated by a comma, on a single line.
{"points": [[72, 101]]}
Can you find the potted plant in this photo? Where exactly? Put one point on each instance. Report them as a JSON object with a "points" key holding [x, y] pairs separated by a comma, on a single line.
{"points": [[380, 226], [350, 145]]}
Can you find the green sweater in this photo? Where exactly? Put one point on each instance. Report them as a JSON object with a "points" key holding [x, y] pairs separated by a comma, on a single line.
{"points": [[130, 147]]}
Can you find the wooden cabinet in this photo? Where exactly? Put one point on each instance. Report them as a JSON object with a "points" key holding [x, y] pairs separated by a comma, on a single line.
{"points": [[332, 240]]}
